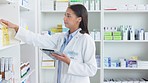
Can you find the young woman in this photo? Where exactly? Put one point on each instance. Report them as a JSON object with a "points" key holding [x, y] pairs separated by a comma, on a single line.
{"points": [[77, 63]]}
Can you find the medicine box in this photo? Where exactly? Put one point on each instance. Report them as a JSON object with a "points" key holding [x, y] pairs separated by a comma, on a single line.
{"points": [[107, 33], [146, 35], [117, 33], [47, 63], [108, 38], [107, 59], [117, 38]]}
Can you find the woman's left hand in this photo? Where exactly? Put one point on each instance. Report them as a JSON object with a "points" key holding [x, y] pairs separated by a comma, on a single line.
{"points": [[62, 57]]}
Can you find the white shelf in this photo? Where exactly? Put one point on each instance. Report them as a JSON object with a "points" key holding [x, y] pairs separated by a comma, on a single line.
{"points": [[8, 46], [14, 12], [125, 41], [5, 1], [61, 11], [119, 68], [48, 67], [52, 11], [12, 44], [27, 75], [97, 40], [125, 11], [91, 11], [23, 8]]}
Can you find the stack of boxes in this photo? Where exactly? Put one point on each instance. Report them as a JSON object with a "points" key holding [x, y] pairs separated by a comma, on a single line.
{"points": [[47, 62], [111, 33], [108, 35], [126, 32], [117, 35], [57, 29], [133, 62]]}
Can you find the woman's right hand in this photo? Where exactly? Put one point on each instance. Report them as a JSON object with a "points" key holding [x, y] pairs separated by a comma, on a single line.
{"points": [[9, 24]]}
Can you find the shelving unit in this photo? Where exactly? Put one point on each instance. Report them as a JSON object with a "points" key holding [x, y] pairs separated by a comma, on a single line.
{"points": [[19, 51], [125, 11], [125, 48], [46, 22], [98, 19], [125, 68], [28, 52]]}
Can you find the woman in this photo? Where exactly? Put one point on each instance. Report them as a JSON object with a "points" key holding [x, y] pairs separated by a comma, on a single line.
{"points": [[77, 63]]}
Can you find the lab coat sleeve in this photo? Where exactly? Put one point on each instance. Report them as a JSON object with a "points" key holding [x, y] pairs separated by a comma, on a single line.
{"points": [[43, 41], [89, 66]]}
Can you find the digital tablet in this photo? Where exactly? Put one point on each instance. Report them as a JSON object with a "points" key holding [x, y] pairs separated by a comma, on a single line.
{"points": [[49, 51]]}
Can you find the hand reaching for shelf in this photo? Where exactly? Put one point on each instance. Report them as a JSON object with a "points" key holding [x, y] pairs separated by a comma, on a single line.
{"points": [[9, 24]]}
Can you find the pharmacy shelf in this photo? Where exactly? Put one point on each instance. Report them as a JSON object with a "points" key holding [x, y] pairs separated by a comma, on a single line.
{"points": [[125, 11], [91, 11], [12, 44], [5, 1], [48, 67], [119, 68], [8, 46], [23, 8], [27, 75], [61, 11], [97, 41], [52, 11], [125, 41]]}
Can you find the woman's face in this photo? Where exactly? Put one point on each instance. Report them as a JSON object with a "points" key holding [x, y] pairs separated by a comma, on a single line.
{"points": [[71, 20]]}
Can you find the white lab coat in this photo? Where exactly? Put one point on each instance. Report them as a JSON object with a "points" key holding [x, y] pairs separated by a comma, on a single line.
{"points": [[81, 51]]}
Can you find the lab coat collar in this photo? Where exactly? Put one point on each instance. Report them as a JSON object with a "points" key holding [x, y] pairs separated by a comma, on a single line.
{"points": [[73, 40], [72, 34]]}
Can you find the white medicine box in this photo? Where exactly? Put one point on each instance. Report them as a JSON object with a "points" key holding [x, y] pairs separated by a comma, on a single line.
{"points": [[146, 35]]}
